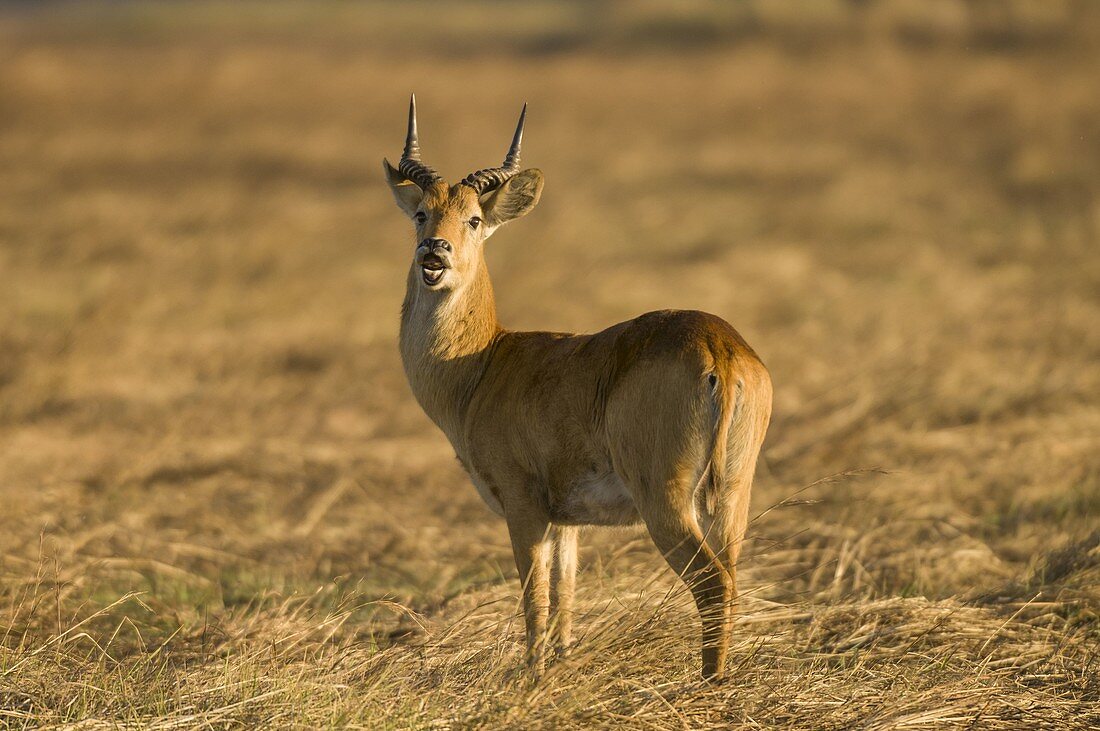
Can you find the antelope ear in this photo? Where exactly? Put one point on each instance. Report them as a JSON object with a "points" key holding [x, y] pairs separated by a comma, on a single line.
{"points": [[407, 193], [515, 198]]}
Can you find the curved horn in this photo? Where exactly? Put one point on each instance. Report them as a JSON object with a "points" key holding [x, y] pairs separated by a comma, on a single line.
{"points": [[485, 180], [410, 165], [511, 160]]}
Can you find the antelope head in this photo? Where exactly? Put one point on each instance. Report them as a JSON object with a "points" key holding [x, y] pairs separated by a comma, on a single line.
{"points": [[453, 221]]}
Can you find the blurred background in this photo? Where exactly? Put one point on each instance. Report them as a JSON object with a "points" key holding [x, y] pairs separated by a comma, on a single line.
{"points": [[206, 441]]}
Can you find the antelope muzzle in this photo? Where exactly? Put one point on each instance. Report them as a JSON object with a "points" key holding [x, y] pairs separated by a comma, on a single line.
{"points": [[433, 256]]}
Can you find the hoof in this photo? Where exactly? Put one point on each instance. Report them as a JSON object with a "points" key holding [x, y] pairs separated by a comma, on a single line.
{"points": [[713, 678], [674, 690]]}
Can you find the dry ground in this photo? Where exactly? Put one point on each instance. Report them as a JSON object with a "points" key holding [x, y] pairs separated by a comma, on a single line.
{"points": [[221, 507]]}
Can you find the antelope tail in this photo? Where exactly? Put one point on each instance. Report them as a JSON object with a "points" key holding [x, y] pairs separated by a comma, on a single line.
{"points": [[740, 421]]}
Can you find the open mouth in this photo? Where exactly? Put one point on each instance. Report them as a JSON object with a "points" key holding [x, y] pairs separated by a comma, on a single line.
{"points": [[432, 268]]}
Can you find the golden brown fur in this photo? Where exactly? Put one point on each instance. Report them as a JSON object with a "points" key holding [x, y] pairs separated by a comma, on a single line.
{"points": [[656, 420]]}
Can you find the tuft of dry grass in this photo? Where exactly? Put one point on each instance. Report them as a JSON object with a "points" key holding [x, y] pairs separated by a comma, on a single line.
{"points": [[221, 508]]}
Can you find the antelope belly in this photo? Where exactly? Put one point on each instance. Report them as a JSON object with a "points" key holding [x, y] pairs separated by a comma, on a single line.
{"points": [[598, 499]]}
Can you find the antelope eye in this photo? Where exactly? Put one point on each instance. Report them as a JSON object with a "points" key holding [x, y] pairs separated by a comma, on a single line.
{"points": [[420, 217], [475, 222]]}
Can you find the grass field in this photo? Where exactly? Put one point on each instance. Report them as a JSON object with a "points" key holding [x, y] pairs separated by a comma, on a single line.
{"points": [[220, 506]]}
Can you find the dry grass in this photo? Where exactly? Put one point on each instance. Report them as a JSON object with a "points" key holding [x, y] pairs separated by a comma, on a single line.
{"points": [[220, 506]]}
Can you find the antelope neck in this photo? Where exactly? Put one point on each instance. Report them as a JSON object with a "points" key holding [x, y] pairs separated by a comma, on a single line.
{"points": [[446, 341]]}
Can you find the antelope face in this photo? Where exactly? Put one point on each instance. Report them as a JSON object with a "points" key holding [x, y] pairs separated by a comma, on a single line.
{"points": [[452, 222], [450, 229]]}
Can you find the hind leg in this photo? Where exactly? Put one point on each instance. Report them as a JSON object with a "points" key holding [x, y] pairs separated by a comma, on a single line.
{"points": [[677, 534], [724, 526], [660, 431]]}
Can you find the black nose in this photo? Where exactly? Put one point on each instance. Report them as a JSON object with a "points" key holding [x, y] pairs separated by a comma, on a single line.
{"points": [[436, 244]]}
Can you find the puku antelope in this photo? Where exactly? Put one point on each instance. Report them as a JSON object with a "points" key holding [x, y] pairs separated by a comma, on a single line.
{"points": [[657, 420]]}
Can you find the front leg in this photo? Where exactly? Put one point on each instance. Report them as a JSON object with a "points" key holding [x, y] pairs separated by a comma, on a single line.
{"points": [[563, 573], [531, 544]]}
